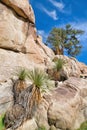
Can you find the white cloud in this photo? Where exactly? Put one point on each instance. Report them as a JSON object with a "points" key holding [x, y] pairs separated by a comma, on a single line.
{"points": [[59, 5], [51, 14]]}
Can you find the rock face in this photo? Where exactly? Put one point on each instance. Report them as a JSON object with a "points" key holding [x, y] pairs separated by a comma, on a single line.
{"points": [[6, 95], [13, 29], [63, 107], [18, 34], [18, 46], [28, 125], [17, 29], [10, 62], [22, 8], [72, 67]]}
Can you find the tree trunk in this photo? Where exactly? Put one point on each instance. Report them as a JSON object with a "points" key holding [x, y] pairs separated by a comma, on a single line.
{"points": [[59, 51]]}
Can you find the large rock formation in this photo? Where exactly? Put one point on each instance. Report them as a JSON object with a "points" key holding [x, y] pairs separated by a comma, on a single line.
{"points": [[6, 95], [18, 36], [19, 46], [64, 107], [22, 8], [67, 108]]}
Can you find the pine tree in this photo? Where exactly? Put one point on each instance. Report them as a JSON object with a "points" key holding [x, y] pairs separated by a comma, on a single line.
{"points": [[65, 39]]}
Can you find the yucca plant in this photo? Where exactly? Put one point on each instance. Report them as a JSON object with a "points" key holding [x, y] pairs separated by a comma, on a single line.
{"points": [[56, 71], [20, 84], [59, 64], [39, 80], [22, 74], [26, 99]]}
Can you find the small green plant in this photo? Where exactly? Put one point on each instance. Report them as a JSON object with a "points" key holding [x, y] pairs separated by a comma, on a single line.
{"points": [[59, 64], [22, 74], [38, 77], [2, 126], [83, 126]]}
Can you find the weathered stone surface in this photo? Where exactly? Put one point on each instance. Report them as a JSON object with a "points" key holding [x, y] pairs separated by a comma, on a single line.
{"points": [[13, 30], [19, 35], [83, 68], [11, 62], [28, 125], [72, 67], [6, 96], [46, 49], [37, 53], [22, 8], [34, 52], [64, 107], [81, 85], [41, 115], [66, 104], [52, 127]]}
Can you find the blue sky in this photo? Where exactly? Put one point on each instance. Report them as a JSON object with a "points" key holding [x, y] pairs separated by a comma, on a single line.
{"points": [[58, 13]]}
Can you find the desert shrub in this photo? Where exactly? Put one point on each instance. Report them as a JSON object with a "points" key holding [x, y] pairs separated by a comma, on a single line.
{"points": [[2, 126]]}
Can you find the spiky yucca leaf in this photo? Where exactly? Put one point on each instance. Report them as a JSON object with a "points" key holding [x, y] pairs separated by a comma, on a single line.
{"points": [[2, 126], [22, 74], [37, 77]]}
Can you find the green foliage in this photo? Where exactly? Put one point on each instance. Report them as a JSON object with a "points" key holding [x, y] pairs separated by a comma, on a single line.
{"points": [[83, 126], [41, 128], [72, 43], [38, 77], [59, 64], [22, 74], [2, 127], [67, 39], [56, 39]]}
